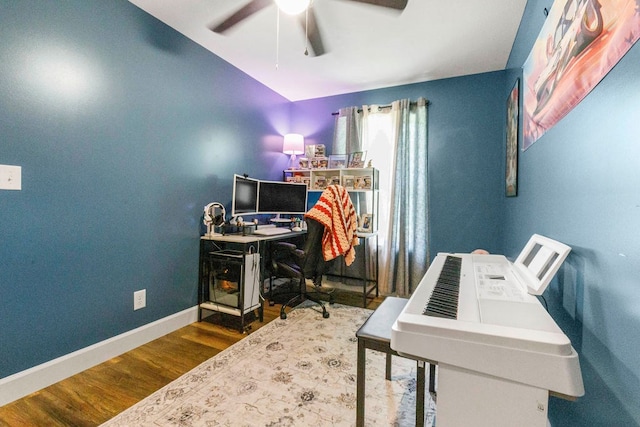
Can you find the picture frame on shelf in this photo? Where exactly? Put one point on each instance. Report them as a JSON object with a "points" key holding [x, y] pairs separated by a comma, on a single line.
{"points": [[338, 161], [356, 159], [366, 223]]}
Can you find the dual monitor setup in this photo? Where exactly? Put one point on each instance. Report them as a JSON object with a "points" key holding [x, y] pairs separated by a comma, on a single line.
{"points": [[258, 197]]}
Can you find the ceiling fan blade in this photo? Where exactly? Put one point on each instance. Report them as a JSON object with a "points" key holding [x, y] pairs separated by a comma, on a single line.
{"points": [[392, 4], [313, 32], [244, 12]]}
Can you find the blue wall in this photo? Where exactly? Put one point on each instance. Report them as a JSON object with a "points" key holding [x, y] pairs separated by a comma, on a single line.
{"points": [[124, 130], [580, 184]]}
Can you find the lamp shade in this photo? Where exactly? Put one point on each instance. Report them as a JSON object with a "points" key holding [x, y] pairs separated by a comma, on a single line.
{"points": [[293, 144]]}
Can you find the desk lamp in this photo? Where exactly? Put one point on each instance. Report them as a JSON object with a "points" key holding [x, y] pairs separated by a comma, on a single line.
{"points": [[293, 144]]}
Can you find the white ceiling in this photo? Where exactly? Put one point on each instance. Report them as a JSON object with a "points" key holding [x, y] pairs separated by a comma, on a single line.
{"points": [[368, 47]]}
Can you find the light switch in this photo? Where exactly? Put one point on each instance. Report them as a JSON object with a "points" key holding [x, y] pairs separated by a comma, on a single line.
{"points": [[10, 177]]}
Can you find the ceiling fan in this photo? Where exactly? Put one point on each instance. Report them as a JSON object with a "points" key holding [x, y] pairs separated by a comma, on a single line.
{"points": [[307, 20]]}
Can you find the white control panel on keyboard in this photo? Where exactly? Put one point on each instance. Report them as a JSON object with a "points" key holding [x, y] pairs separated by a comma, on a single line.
{"points": [[271, 231], [494, 280]]}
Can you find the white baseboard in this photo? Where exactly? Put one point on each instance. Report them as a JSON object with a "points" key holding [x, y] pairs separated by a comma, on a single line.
{"points": [[33, 379]]}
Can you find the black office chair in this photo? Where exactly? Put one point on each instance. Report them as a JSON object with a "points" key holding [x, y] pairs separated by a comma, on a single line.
{"points": [[289, 261]]}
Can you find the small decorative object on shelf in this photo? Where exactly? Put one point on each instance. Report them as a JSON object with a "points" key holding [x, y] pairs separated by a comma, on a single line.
{"points": [[319, 162], [320, 183], [295, 177], [303, 163], [348, 182], [315, 150], [335, 180]]}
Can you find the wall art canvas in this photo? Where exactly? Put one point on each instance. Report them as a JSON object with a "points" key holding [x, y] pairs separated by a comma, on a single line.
{"points": [[580, 42], [513, 119]]}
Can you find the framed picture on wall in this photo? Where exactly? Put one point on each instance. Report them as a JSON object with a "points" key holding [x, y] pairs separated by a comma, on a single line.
{"points": [[513, 132]]}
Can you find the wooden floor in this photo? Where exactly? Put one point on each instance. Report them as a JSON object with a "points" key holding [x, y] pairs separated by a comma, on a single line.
{"points": [[98, 394]]}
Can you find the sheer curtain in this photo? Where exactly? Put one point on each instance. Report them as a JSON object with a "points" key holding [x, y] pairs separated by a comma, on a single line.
{"points": [[395, 141]]}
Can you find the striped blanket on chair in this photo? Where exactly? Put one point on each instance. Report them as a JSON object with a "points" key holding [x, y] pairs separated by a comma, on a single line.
{"points": [[336, 213]]}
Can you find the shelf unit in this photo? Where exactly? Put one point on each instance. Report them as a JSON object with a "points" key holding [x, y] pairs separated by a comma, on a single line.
{"points": [[362, 185]]}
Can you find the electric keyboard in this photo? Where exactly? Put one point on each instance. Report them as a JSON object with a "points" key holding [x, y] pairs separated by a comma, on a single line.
{"points": [[496, 326], [271, 231]]}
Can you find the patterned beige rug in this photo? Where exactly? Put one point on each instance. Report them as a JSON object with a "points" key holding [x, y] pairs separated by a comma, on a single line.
{"points": [[295, 372]]}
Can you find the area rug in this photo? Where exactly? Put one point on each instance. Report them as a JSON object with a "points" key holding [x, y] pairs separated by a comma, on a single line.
{"points": [[300, 371]]}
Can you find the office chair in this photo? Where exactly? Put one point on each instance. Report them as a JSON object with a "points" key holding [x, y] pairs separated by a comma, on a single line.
{"points": [[289, 261]]}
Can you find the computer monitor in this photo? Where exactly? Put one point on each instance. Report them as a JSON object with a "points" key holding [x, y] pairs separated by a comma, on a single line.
{"points": [[276, 197], [245, 196]]}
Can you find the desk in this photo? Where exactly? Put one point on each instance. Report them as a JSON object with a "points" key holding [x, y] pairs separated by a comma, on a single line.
{"points": [[231, 272]]}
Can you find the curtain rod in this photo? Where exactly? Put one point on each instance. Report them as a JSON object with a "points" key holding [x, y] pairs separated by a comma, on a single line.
{"points": [[382, 106]]}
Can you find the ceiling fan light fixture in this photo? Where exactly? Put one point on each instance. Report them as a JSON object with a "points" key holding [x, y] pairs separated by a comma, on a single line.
{"points": [[293, 7]]}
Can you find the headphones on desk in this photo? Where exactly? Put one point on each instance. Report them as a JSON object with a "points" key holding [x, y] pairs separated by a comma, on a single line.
{"points": [[214, 214]]}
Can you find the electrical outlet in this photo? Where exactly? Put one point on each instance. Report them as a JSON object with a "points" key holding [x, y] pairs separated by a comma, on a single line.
{"points": [[10, 177], [139, 299]]}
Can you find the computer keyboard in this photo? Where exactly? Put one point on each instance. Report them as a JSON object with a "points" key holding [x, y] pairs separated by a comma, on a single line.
{"points": [[270, 231]]}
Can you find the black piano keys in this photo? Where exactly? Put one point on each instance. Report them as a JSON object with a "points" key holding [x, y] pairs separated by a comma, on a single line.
{"points": [[443, 301]]}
